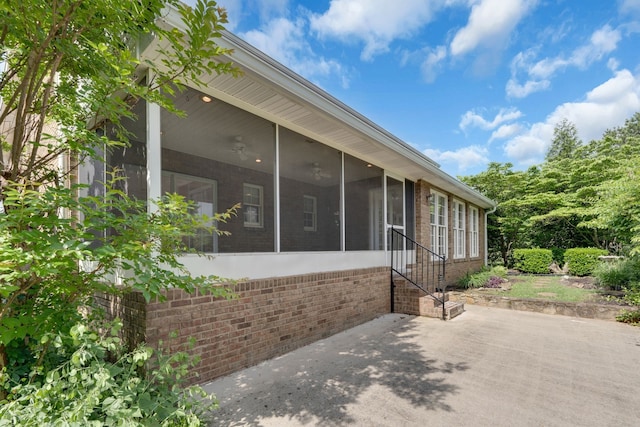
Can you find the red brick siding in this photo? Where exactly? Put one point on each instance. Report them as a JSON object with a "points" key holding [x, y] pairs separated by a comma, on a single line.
{"points": [[269, 318], [455, 268]]}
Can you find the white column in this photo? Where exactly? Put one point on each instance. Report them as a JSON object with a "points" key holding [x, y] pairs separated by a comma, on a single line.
{"points": [[154, 156], [276, 190]]}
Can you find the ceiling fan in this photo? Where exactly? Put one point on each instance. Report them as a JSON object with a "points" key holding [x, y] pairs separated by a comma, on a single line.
{"points": [[318, 173], [240, 148]]}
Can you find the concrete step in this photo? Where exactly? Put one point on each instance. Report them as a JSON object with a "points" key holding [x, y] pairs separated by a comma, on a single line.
{"points": [[451, 310]]}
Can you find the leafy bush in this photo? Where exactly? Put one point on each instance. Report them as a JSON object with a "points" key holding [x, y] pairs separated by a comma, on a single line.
{"points": [[631, 317], [494, 282], [493, 276], [619, 274], [583, 261], [558, 255], [632, 295], [99, 385], [535, 261]]}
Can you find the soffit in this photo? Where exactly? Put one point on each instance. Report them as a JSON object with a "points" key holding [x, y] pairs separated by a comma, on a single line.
{"points": [[270, 90]]}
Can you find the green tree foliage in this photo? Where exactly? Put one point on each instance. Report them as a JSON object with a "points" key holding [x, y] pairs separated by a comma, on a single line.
{"points": [[583, 195], [565, 141], [500, 183], [69, 69]]}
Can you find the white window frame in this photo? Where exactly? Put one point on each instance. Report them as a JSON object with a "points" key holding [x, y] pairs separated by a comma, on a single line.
{"points": [[459, 229], [213, 187], [474, 232], [313, 213], [439, 223], [259, 206]]}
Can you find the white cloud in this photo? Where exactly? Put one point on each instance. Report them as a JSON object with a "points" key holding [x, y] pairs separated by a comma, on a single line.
{"points": [[464, 158], [629, 6], [529, 148], [602, 42], [473, 119], [516, 90], [376, 23], [604, 107], [490, 23], [284, 40], [433, 63], [506, 131]]}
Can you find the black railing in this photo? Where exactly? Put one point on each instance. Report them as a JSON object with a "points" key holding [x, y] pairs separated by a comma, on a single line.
{"points": [[418, 265]]}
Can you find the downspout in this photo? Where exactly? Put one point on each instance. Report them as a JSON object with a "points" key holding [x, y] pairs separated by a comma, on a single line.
{"points": [[486, 235]]}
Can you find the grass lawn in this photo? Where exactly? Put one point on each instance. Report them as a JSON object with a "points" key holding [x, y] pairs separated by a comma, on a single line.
{"points": [[547, 287]]}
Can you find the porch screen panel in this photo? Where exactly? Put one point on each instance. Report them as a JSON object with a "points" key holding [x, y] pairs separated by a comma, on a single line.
{"points": [[410, 209], [364, 209], [130, 161], [309, 194], [235, 149]]}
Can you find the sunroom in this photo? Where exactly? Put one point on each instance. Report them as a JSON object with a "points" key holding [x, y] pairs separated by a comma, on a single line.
{"points": [[319, 184]]}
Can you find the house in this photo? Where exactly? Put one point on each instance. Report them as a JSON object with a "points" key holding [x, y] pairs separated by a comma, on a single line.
{"points": [[321, 187]]}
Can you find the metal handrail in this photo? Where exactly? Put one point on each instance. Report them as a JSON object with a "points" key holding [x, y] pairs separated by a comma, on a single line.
{"points": [[420, 266]]}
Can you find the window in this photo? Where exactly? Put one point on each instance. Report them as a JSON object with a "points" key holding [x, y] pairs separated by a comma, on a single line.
{"points": [[474, 238], [202, 192], [310, 213], [438, 215], [458, 229], [252, 205]]}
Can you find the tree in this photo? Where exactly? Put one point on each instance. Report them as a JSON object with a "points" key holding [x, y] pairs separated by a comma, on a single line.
{"points": [[565, 141], [500, 183], [70, 70], [582, 195]]}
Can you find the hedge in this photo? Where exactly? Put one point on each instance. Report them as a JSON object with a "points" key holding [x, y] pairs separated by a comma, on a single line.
{"points": [[536, 261], [582, 261]]}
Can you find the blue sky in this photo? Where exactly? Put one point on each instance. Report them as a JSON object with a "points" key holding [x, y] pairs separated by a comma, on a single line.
{"points": [[464, 81]]}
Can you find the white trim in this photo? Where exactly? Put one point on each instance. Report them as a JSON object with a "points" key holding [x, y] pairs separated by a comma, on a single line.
{"points": [[154, 155], [260, 220], [439, 232], [276, 190], [264, 265], [313, 212], [474, 235], [459, 228], [343, 226]]}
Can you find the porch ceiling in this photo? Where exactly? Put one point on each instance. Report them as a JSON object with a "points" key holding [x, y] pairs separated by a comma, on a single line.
{"points": [[272, 91]]}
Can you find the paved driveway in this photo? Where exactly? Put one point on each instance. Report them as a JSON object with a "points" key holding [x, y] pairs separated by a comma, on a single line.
{"points": [[487, 367]]}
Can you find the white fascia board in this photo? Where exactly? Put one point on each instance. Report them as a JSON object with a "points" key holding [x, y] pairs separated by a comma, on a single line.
{"points": [[271, 70]]}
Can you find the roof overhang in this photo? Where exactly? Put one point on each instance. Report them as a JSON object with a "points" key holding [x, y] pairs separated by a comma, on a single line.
{"points": [[274, 92]]}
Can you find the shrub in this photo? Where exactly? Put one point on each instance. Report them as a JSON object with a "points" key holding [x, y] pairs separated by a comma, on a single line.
{"points": [[558, 255], [619, 274], [494, 282], [633, 293], [100, 385], [631, 317], [534, 261], [583, 261], [492, 277]]}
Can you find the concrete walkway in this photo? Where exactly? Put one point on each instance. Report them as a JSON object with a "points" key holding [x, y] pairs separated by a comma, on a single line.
{"points": [[487, 367]]}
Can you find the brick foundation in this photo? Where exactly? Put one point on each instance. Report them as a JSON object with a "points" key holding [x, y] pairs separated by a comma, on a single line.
{"points": [[269, 318]]}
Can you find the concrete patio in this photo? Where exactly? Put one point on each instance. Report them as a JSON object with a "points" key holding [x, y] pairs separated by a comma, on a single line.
{"points": [[487, 367]]}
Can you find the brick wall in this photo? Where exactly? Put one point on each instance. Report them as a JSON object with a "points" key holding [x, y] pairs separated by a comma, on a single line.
{"points": [[269, 318], [455, 268]]}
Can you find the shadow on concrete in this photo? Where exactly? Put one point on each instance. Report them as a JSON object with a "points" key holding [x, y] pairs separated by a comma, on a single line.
{"points": [[317, 384]]}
